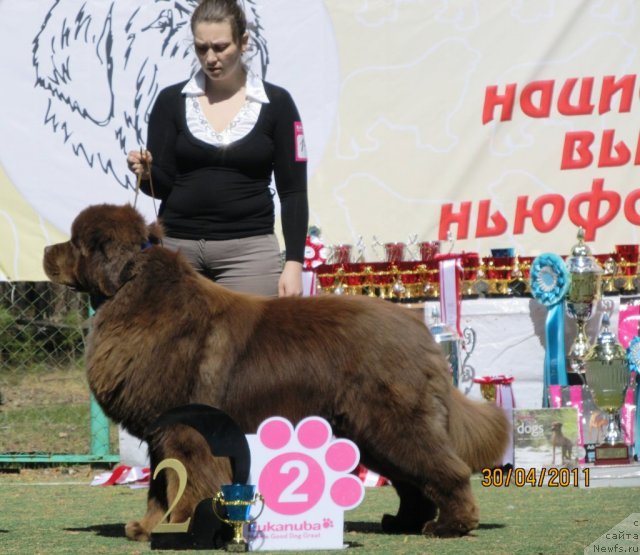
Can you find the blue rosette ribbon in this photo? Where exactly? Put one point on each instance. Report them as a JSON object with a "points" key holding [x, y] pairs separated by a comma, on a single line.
{"points": [[633, 356], [550, 278]]}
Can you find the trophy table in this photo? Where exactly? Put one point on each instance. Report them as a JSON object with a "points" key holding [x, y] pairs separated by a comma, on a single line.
{"points": [[607, 374]]}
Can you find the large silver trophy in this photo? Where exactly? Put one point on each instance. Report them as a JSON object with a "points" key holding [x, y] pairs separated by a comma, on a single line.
{"points": [[449, 342], [584, 292], [456, 350], [607, 373]]}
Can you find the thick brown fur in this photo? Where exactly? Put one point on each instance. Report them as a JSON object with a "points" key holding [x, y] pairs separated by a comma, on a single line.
{"points": [[166, 337]]}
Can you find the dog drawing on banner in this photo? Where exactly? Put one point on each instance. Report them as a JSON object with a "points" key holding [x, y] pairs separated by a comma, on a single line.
{"points": [[164, 336], [102, 64]]}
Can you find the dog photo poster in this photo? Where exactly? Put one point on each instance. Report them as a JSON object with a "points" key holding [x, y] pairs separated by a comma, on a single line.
{"points": [[545, 437]]}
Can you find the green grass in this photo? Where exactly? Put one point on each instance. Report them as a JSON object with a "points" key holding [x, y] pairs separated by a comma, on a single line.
{"points": [[48, 511], [61, 429], [51, 513], [46, 411]]}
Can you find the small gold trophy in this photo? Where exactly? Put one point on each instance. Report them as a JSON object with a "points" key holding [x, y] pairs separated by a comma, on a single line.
{"points": [[488, 391], [584, 291], [607, 374], [237, 499]]}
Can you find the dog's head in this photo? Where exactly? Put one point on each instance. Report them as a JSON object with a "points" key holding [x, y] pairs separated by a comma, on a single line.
{"points": [[98, 259], [556, 427]]}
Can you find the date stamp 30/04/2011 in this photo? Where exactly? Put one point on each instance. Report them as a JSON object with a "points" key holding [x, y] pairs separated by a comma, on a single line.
{"points": [[535, 477]]}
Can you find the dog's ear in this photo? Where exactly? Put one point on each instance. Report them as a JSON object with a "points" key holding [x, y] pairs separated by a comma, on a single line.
{"points": [[155, 232], [115, 267]]}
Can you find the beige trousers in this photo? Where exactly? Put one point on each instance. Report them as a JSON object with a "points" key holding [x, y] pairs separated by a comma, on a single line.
{"points": [[249, 265]]}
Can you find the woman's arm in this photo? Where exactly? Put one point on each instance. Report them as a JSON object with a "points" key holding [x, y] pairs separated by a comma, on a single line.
{"points": [[161, 142], [290, 175]]}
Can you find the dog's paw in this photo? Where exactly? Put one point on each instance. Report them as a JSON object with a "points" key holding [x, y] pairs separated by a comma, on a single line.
{"points": [[393, 525], [134, 531], [447, 529], [293, 481]]}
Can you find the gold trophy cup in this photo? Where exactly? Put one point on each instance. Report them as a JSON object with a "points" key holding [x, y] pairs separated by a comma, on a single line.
{"points": [[237, 499], [584, 291], [607, 373]]}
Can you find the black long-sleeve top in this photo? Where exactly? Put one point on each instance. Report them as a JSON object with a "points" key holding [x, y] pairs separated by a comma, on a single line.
{"points": [[222, 192]]}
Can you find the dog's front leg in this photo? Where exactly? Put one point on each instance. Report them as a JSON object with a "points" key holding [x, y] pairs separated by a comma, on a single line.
{"points": [[141, 530]]}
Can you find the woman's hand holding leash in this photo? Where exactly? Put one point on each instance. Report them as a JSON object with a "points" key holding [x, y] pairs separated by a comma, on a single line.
{"points": [[139, 162]]}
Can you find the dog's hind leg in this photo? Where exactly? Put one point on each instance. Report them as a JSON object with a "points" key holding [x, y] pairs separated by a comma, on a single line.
{"points": [[440, 475], [414, 511], [448, 484]]}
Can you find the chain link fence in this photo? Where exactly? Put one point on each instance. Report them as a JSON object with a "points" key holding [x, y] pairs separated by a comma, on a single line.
{"points": [[47, 414]]}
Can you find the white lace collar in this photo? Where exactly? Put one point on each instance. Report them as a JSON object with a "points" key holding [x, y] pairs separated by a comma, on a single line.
{"points": [[241, 125]]}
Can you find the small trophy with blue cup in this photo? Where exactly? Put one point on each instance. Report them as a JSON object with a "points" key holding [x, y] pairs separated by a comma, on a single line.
{"points": [[238, 500]]}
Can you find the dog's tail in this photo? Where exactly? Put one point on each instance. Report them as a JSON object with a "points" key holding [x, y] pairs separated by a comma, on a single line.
{"points": [[479, 430]]}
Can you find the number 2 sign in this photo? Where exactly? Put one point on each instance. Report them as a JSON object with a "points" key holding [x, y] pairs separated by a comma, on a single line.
{"points": [[304, 476]]}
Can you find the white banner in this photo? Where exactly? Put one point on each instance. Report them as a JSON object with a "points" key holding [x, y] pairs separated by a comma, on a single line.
{"points": [[504, 123]]}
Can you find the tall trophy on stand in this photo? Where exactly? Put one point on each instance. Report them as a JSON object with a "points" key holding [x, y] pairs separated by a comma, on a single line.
{"points": [[449, 342], [607, 373], [584, 292]]}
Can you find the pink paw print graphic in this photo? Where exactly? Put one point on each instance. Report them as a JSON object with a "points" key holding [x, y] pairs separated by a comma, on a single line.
{"points": [[307, 466]]}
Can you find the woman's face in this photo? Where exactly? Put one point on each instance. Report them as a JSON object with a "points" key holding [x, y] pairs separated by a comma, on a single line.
{"points": [[219, 55]]}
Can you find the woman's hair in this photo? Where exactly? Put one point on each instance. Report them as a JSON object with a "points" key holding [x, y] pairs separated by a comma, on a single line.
{"points": [[215, 11]]}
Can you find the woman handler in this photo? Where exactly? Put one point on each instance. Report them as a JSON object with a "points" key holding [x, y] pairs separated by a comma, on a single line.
{"points": [[214, 142]]}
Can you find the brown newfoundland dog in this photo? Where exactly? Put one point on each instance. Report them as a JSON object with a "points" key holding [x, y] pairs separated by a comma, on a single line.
{"points": [[166, 337]]}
